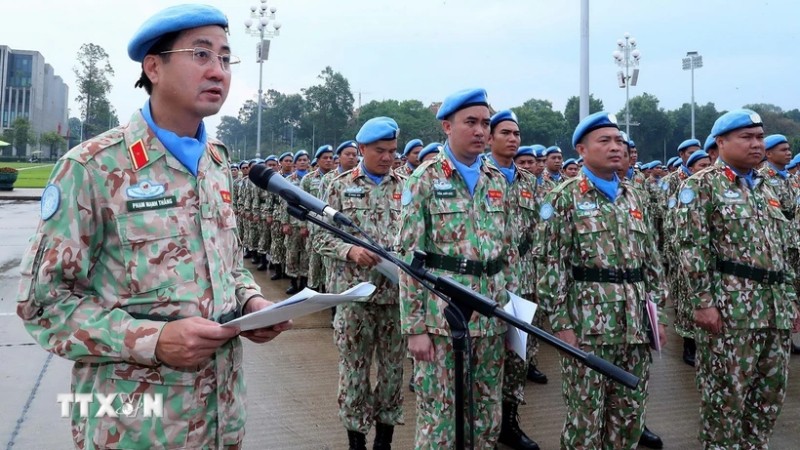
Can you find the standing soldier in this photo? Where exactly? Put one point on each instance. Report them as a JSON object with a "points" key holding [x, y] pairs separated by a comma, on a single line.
{"points": [[456, 209], [254, 232], [553, 159], [277, 247], [296, 232], [370, 195], [733, 240], [598, 274], [311, 183], [504, 139], [263, 218], [411, 154], [430, 151], [238, 204], [524, 159]]}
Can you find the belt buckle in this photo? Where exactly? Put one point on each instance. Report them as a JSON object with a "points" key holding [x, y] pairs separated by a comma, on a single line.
{"points": [[766, 278], [462, 266]]}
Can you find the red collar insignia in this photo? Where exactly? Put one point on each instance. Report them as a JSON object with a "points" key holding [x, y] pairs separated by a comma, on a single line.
{"points": [[448, 171], [730, 174], [214, 154], [584, 186], [356, 172], [138, 154]]}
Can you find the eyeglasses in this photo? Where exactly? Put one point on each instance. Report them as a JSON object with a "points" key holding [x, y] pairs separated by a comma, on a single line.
{"points": [[202, 56]]}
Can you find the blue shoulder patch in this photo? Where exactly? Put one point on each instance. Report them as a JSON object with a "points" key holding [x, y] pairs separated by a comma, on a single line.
{"points": [[686, 196], [546, 211], [51, 200], [406, 198]]}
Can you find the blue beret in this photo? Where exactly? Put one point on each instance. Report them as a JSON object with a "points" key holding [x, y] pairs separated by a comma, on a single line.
{"points": [[794, 162], [579, 160], [600, 119], [284, 155], [677, 163], [313, 162], [502, 116], [174, 18], [700, 154], [271, 158], [710, 143], [551, 150], [525, 150], [323, 149], [689, 143], [433, 147], [299, 154], [411, 145], [734, 120], [631, 144], [672, 160], [233, 166], [258, 161], [538, 150], [335, 156], [462, 99], [570, 161], [774, 139], [345, 145], [244, 163], [655, 163], [377, 129]]}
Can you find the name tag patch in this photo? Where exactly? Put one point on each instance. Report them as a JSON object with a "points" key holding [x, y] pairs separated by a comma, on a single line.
{"points": [[148, 204]]}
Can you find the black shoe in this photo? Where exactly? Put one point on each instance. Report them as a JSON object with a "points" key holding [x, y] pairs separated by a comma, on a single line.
{"points": [[383, 437], [795, 349], [248, 254], [536, 375], [689, 351], [650, 440], [256, 258], [303, 283], [510, 433], [294, 288], [278, 273], [411, 384], [358, 441], [263, 266]]}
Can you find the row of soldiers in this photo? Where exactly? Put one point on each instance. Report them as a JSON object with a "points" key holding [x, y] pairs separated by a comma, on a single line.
{"points": [[537, 180]]}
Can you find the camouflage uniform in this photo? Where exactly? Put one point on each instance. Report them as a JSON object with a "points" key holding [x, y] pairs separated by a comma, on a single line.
{"points": [[279, 214], [257, 195], [241, 216], [247, 207], [315, 236], [267, 204], [116, 247], [405, 170], [441, 218], [373, 324], [311, 183], [583, 232], [679, 291], [723, 227], [295, 242]]}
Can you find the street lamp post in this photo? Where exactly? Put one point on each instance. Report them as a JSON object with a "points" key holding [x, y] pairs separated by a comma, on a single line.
{"points": [[262, 14], [692, 61], [627, 56]]}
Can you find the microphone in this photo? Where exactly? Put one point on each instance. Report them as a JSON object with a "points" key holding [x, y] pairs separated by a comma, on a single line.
{"points": [[267, 179]]}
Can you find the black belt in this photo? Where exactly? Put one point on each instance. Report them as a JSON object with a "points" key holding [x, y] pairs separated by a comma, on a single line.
{"points": [[524, 247], [464, 266], [598, 275], [225, 318], [751, 273]]}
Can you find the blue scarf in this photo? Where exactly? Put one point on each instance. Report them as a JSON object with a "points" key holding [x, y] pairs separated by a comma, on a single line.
{"points": [[608, 188], [686, 170], [556, 176], [301, 173], [629, 173], [185, 149], [469, 174], [375, 178], [749, 177], [509, 172], [540, 180], [782, 173]]}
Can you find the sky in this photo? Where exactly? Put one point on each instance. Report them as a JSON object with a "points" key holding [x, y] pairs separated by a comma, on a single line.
{"points": [[427, 49]]}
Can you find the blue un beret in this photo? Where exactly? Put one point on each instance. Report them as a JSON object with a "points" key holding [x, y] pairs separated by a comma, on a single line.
{"points": [[284, 155], [271, 158], [710, 143], [569, 161], [734, 120], [600, 119], [433, 147], [462, 99], [324, 149], [631, 144], [694, 157], [538, 150], [551, 150], [794, 162], [774, 139], [299, 154], [655, 163], [672, 160], [677, 163], [689, 143], [377, 129], [313, 162], [345, 145], [579, 160], [174, 18], [502, 116], [525, 150], [411, 145]]}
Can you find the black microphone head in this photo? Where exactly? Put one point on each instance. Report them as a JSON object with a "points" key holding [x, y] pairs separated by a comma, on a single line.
{"points": [[260, 175]]}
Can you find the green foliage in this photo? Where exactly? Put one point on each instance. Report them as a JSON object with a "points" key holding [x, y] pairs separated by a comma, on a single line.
{"points": [[92, 74], [540, 124], [416, 121]]}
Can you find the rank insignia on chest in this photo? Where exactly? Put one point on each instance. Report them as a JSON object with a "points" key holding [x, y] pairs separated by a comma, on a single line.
{"points": [[494, 194], [636, 214], [226, 196], [397, 196], [138, 154], [354, 192], [145, 189], [774, 203], [212, 149], [526, 194]]}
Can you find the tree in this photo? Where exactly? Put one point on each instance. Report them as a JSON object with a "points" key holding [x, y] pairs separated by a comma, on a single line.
{"points": [[540, 124], [54, 142], [74, 132], [329, 107], [22, 135], [681, 120], [92, 73], [572, 110], [415, 120], [654, 126], [775, 120]]}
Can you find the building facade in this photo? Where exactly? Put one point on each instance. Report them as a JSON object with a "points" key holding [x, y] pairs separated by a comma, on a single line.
{"points": [[30, 88]]}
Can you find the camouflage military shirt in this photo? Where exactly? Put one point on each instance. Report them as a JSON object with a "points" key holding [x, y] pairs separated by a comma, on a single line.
{"points": [[376, 210], [718, 218], [785, 188], [405, 170], [441, 217], [128, 231], [580, 227]]}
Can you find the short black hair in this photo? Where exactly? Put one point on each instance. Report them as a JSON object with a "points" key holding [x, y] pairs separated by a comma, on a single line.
{"points": [[163, 44]]}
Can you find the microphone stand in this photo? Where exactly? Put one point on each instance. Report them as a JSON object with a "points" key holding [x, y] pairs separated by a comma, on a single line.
{"points": [[462, 301]]}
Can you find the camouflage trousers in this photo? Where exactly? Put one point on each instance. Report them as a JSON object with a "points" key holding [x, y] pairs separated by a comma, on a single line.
{"points": [[264, 237], [602, 414], [361, 329], [277, 248], [240, 226], [251, 234], [316, 269], [434, 387], [679, 292], [742, 378], [296, 254]]}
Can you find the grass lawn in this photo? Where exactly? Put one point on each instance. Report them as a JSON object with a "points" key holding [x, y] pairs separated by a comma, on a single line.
{"points": [[31, 175]]}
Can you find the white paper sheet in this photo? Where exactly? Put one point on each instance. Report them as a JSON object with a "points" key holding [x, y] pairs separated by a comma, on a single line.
{"points": [[652, 315], [389, 270], [523, 310], [305, 302]]}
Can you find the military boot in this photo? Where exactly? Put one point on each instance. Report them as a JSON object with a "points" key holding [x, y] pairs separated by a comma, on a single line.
{"points": [[248, 254], [303, 283], [383, 437], [278, 272], [358, 441], [650, 440], [263, 266], [795, 349], [689, 351], [294, 288], [510, 432], [256, 258]]}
